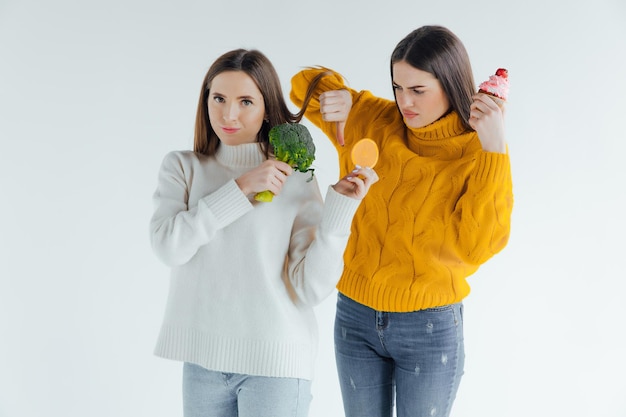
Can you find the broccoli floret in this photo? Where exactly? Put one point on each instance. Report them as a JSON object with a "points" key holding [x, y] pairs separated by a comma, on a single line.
{"points": [[292, 143]]}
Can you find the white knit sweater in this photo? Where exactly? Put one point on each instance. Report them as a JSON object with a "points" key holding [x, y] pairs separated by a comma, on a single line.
{"points": [[245, 275]]}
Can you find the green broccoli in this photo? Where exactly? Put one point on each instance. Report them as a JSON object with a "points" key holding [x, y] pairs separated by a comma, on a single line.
{"points": [[293, 144]]}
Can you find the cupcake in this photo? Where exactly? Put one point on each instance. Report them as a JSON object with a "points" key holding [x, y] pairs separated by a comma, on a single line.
{"points": [[497, 86]]}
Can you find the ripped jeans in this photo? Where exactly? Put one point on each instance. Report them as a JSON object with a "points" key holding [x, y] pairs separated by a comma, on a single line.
{"points": [[416, 357]]}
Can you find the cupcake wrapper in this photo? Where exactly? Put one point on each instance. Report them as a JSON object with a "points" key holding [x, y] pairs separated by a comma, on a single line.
{"points": [[499, 101]]}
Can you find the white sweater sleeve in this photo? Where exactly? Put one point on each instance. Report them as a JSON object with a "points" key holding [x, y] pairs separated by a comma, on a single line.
{"points": [[314, 267], [178, 231]]}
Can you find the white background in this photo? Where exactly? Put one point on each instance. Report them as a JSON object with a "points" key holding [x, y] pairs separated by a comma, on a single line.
{"points": [[93, 94]]}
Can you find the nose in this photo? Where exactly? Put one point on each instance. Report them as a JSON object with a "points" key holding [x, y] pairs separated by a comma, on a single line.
{"points": [[230, 113], [403, 100]]}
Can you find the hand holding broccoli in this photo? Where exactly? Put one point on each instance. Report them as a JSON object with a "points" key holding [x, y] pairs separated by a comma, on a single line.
{"points": [[270, 175], [292, 143]]}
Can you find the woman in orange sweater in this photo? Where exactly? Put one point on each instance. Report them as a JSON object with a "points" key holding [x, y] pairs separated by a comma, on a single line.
{"points": [[441, 209]]}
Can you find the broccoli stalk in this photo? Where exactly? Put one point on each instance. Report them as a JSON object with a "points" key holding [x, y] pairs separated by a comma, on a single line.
{"points": [[293, 144]]}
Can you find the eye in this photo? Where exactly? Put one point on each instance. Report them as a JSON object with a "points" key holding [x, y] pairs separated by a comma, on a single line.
{"points": [[246, 102], [418, 91], [218, 99]]}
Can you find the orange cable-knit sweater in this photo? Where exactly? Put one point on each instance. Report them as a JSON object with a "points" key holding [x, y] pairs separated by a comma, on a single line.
{"points": [[441, 208]]}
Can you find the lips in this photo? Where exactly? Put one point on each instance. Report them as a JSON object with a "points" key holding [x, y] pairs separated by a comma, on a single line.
{"points": [[230, 130], [409, 114]]}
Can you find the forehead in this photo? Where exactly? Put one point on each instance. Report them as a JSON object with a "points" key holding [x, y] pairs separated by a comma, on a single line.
{"points": [[235, 83], [406, 74]]}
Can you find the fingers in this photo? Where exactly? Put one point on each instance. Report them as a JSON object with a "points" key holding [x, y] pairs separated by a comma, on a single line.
{"points": [[340, 127], [331, 98], [335, 106], [283, 167], [487, 119], [270, 175], [276, 175], [367, 175], [357, 183], [483, 110], [482, 104]]}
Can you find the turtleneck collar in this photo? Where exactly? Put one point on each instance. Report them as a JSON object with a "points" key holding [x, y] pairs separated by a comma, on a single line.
{"points": [[445, 138], [448, 126], [245, 155]]}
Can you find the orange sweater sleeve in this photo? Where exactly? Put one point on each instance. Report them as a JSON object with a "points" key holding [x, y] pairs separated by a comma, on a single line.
{"points": [[366, 108], [300, 83], [482, 219], [333, 81]]}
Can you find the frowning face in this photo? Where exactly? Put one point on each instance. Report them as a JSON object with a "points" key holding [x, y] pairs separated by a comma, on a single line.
{"points": [[419, 95]]}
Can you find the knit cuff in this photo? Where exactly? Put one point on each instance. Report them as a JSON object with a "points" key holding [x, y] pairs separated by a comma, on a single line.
{"points": [[492, 166], [227, 203], [338, 211]]}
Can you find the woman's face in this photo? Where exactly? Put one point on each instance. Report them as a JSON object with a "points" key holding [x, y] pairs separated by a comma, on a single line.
{"points": [[419, 95], [236, 108]]}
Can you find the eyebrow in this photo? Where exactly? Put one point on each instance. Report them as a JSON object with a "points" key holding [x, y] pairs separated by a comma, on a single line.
{"points": [[411, 87], [246, 97]]}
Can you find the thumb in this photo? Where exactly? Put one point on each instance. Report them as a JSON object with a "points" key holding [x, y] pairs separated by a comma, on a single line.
{"points": [[340, 127]]}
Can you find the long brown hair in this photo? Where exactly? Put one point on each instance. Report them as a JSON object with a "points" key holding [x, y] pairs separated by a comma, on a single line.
{"points": [[258, 67], [436, 50]]}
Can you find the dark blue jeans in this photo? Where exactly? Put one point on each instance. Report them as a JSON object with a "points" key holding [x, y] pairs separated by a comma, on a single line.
{"points": [[418, 356]]}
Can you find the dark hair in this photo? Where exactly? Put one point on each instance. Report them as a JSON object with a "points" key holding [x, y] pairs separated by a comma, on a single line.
{"points": [[256, 65], [438, 51]]}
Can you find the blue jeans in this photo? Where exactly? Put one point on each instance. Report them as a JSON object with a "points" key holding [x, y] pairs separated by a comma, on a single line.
{"points": [[215, 394], [418, 356]]}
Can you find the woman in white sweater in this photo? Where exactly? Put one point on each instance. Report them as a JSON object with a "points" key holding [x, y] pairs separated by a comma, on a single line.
{"points": [[246, 275]]}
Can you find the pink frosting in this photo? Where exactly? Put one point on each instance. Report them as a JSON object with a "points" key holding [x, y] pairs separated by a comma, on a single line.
{"points": [[496, 85]]}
